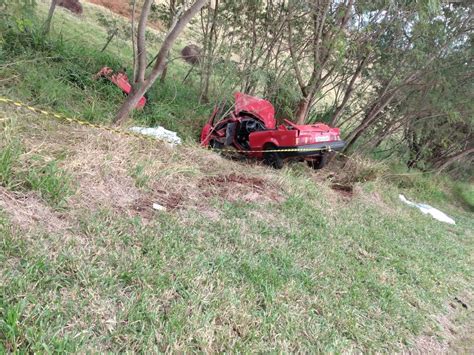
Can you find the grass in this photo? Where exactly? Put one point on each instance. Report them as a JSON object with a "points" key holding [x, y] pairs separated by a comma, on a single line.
{"points": [[8, 155], [52, 183], [306, 272], [245, 259]]}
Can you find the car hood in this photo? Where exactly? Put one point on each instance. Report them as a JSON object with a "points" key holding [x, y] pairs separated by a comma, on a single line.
{"points": [[260, 108]]}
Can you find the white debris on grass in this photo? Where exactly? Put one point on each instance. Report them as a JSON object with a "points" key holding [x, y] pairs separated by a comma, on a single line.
{"points": [[159, 207], [159, 133], [427, 209]]}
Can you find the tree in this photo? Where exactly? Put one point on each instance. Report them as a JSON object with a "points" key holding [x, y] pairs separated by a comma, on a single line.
{"points": [[320, 25], [142, 81], [421, 83], [72, 5], [47, 23]]}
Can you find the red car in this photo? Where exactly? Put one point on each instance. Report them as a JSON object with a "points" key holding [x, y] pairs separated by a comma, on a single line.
{"points": [[251, 129], [121, 80]]}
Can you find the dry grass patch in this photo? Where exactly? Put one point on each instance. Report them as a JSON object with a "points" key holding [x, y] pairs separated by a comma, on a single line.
{"points": [[128, 175], [30, 213]]}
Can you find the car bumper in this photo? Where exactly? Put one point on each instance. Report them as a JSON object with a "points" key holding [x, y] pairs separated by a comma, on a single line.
{"points": [[311, 149]]}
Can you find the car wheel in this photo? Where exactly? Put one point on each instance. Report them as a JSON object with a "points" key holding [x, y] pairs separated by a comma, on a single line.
{"points": [[272, 159], [318, 162]]}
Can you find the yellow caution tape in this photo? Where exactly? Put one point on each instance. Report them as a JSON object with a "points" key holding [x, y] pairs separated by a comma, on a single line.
{"points": [[141, 136], [74, 120], [325, 149]]}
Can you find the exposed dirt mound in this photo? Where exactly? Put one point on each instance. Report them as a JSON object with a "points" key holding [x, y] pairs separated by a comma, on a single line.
{"points": [[72, 5], [234, 187], [346, 191], [124, 8], [191, 54], [143, 205], [229, 187], [121, 7]]}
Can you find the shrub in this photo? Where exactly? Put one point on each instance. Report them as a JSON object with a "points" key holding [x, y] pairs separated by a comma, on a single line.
{"points": [[359, 169]]}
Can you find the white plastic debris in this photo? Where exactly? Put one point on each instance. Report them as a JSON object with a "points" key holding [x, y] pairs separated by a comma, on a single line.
{"points": [[159, 133], [159, 207], [427, 209]]}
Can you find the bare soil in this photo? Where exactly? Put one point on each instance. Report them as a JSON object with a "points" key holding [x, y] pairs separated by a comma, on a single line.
{"points": [[455, 332], [123, 8], [29, 212]]}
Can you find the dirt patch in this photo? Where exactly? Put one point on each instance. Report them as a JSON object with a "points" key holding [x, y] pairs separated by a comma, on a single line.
{"points": [[345, 191], [72, 5], [234, 187], [229, 187], [28, 212], [143, 205], [455, 332], [123, 8]]}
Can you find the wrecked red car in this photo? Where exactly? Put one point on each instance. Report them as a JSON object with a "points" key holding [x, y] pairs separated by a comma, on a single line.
{"points": [[121, 80], [250, 128]]}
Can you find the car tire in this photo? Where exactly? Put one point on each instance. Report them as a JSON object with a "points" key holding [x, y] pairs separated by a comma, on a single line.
{"points": [[272, 159], [319, 162]]}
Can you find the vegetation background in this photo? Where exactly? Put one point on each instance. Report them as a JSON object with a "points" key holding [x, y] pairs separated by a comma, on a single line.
{"points": [[246, 258]]}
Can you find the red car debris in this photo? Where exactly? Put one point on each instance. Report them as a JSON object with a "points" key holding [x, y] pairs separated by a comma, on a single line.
{"points": [[120, 79], [251, 129]]}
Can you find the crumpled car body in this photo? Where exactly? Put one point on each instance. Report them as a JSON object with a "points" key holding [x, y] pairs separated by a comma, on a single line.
{"points": [[251, 129], [121, 81]]}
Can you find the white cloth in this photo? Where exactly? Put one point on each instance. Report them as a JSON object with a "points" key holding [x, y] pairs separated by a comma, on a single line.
{"points": [[427, 209], [159, 133]]}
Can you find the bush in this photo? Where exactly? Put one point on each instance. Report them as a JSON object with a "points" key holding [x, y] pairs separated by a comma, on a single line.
{"points": [[358, 169]]}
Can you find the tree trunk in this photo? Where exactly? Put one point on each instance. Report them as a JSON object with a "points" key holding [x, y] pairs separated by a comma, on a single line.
{"points": [[172, 14], [348, 93], [141, 86], [111, 37], [370, 117], [130, 102], [303, 110], [163, 75], [47, 24], [139, 75]]}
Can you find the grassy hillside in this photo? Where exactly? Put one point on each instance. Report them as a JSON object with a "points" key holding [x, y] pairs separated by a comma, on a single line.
{"points": [[245, 258]]}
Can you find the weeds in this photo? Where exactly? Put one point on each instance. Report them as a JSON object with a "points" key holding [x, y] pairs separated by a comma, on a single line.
{"points": [[464, 193], [53, 183], [9, 155], [357, 169], [140, 176]]}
